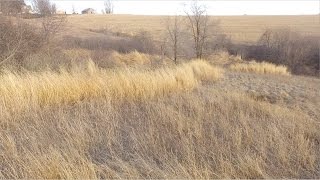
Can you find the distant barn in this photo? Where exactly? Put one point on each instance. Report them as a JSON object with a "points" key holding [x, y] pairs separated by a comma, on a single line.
{"points": [[88, 11]]}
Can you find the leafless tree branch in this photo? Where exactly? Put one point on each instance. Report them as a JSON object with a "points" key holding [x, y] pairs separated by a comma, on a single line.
{"points": [[199, 24], [174, 30], [108, 6]]}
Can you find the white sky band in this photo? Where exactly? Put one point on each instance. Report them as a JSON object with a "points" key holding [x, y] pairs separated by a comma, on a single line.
{"points": [[215, 7]]}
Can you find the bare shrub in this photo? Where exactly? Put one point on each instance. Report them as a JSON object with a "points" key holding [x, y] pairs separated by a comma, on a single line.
{"points": [[283, 46], [52, 25], [17, 40]]}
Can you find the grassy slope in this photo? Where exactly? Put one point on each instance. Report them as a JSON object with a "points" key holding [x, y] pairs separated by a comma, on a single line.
{"points": [[217, 130], [239, 28]]}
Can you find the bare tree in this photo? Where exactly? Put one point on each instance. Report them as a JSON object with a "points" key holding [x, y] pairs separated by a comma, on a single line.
{"points": [[51, 23], [199, 24], [108, 6], [174, 30], [73, 9], [44, 7]]}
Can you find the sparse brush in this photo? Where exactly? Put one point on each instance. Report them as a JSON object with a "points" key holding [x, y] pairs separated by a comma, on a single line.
{"points": [[260, 68], [46, 88]]}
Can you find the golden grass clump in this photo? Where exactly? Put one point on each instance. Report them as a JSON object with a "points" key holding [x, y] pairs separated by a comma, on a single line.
{"points": [[202, 72], [133, 57], [260, 68], [223, 58], [49, 87]]}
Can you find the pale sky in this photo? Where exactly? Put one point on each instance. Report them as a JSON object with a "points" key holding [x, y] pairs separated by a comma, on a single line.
{"points": [[214, 7]]}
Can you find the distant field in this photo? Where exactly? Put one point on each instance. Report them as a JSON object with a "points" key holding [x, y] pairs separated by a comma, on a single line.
{"points": [[244, 29]]}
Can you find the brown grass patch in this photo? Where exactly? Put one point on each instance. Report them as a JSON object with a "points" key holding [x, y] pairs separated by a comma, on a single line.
{"points": [[260, 68]]}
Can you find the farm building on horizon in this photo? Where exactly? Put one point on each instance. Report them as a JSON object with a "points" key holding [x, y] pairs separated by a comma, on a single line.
{"points": [[88, 11]]}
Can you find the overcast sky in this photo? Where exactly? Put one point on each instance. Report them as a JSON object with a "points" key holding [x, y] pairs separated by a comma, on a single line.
{"points": [[215, 7]]}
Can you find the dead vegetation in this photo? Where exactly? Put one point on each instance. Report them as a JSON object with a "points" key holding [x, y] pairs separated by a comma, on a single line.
{"points": [[49, 88], [113, 105], [17, 40], [260, 68], [199, 134], [299, 52]]}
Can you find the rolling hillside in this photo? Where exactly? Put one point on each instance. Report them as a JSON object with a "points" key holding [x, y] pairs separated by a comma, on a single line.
{"points": [[241, 29]]}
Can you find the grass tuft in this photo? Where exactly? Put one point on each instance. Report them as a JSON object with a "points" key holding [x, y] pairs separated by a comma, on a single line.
{"points": [[131, 58], [260, 68]]}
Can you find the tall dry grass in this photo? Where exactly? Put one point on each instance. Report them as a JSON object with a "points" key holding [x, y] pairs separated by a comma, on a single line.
{"points": [[200, 134], [18, 91], [140, 123], [260, 68], [223, 58], [131, 58], [135, 58]]}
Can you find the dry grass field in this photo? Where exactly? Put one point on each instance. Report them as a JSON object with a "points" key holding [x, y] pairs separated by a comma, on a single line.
{"points": [[190, 120], [88, 112], [241, 29]]}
